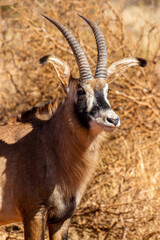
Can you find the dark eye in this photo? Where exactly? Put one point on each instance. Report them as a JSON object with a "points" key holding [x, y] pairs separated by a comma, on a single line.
{"points": [[81, 92], [109, 90], [108, 93]]}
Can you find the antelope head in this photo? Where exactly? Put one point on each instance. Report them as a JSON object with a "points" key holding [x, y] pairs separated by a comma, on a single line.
{"points": [[91, 93]]}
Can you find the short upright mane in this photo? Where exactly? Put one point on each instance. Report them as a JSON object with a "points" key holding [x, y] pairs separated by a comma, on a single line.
{"points": [[43, 112]]}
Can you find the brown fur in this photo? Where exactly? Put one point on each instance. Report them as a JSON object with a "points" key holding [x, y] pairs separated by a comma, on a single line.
{"points": [[81, 147], [50, 160], [47, 157]]}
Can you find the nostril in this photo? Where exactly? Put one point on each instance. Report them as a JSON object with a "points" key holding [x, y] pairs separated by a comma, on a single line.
{"points": [[112, 120]]}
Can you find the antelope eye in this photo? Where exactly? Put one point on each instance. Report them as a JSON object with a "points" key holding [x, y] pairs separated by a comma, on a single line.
{"points": [[108, 93], [81, 92]]}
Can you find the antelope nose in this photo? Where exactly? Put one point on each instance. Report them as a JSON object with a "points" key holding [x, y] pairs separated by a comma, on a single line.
{"points": [[114, 121]]}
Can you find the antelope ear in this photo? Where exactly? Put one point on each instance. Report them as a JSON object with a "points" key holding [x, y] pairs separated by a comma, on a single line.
{"points": [[61, 67], [117, 68]]}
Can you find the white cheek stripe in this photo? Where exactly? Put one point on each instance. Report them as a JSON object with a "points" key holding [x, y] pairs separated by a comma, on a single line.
{"points": [[90, 100], [107, 101], [105, 92]]}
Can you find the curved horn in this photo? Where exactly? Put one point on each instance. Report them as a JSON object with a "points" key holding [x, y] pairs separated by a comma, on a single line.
{"points": [[83, 65], [102, 49]]}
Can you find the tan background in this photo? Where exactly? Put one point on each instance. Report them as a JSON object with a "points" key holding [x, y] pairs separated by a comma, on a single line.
{"points": [[123, 198]]}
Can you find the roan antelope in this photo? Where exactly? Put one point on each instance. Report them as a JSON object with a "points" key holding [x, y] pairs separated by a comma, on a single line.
{"points": [[46, 159]]}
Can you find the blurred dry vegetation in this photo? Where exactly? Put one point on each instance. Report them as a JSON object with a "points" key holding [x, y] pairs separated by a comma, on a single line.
{"points": [[122, 200]]}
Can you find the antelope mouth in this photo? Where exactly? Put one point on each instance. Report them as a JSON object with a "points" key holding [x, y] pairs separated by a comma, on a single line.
{"points": [[108, 122], [105, 126], [108, 129]]}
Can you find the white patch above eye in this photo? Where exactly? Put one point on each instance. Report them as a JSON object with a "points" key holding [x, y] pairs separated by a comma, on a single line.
{"points": [[90, 100], [107, 101], [105, 90], [89, 97]]}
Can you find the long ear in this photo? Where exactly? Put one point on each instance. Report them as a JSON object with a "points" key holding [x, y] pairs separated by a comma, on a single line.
{"points": [[61, 67], [116, 69]]}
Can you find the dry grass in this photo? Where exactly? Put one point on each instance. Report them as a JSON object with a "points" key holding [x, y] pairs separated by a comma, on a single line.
{"points": [[123, 199]]}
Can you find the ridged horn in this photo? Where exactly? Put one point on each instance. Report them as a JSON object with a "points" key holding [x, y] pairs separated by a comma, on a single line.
{"points": [[83, 65], [102, 49]]}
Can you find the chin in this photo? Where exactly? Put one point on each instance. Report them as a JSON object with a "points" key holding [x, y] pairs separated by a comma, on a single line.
{"points": [[108, 129], [94, 126]]}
